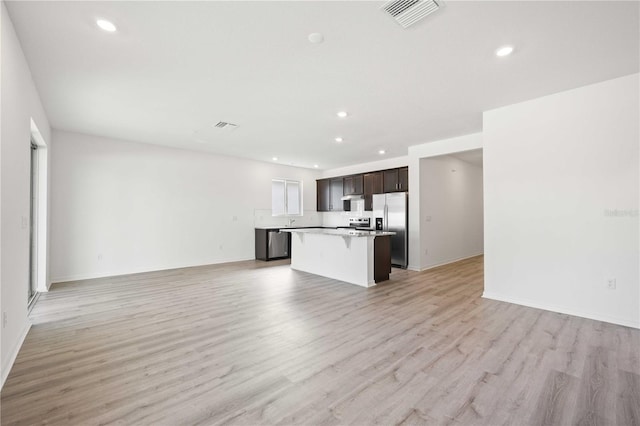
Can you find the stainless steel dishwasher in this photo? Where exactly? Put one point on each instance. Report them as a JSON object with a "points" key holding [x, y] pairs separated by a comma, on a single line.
{"points": [[272, 244], [278, 244]]}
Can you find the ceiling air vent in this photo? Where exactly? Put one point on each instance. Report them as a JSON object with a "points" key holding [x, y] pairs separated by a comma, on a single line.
{"points": [[225, 125], [408, 12]]}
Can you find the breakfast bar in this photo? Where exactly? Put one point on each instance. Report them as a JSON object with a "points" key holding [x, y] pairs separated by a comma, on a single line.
{"points": [[358, 257]]}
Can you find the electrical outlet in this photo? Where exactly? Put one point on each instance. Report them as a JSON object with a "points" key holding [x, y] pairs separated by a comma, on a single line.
{"points": [[4, 319], [611, 283], [100, 257], [25, 222]]}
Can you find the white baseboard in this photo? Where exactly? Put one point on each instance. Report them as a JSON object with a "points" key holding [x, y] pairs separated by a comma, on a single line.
{"points": [[448, 262], [562, 310], [6, 368], [91, 275]]}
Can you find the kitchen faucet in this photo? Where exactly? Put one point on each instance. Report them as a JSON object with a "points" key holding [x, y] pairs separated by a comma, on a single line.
{"points": [[291, 221]]}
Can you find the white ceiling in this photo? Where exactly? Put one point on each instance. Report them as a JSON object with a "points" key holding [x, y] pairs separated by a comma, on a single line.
{"points": [[173, 69]]}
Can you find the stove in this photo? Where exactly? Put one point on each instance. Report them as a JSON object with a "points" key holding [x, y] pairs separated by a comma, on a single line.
{"points": [[359, 222]]}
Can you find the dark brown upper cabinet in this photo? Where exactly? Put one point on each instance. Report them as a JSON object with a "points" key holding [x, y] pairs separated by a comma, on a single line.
{"points": [[403, 179], [323, 195], [353, 185], [329, 195], [396, 180], [337, 188], [330, 191], [372, 185]]}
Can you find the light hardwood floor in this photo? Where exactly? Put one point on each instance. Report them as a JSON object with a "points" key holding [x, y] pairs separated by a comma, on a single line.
{"points": [[257, 343]]}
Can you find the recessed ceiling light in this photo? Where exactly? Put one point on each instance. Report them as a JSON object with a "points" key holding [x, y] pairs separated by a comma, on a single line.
{"points": [[382, 152], [339, 139], [315, 165], [106, 25], [316, 38], [275, 158], [504, 51], [342, 114]]}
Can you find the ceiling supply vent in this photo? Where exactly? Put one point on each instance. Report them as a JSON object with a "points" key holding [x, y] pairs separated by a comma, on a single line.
{"points": [[225, 125], [408, 12]]}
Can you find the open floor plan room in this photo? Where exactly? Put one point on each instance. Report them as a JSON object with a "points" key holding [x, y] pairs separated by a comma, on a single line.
{"points": [[256, 343], [317, 213]]}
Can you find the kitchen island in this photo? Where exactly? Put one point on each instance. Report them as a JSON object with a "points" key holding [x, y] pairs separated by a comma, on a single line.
{"points": [[357, 257]]}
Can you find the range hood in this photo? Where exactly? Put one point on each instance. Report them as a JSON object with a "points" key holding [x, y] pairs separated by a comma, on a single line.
{"points": [[352, 197]]}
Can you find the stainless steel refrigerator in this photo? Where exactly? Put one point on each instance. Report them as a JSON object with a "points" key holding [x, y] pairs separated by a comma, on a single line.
{"points": [[392, 208]]}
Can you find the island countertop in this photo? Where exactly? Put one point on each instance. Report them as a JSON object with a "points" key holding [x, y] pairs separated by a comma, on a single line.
{"points": [[354, 256], [339, 232]]}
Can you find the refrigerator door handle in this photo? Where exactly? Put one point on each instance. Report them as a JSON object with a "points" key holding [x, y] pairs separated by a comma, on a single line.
{"points": [[385, 222]]}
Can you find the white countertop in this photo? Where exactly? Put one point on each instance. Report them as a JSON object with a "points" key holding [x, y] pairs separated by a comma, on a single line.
{"points": [[340, 232]]}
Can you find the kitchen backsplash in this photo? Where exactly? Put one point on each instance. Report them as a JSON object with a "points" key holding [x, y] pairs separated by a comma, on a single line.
{"points": [[263, 218]]}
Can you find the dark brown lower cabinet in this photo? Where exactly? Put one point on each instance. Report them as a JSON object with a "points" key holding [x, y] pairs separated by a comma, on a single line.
{"points": [[381, 258]]}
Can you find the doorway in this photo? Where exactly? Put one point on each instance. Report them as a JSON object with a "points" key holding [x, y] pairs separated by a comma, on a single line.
{"points": [[451, 207], [33, 226], [38, 213]]}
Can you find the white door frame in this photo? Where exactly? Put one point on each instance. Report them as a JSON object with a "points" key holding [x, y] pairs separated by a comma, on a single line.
{"points": [[41, 236]]}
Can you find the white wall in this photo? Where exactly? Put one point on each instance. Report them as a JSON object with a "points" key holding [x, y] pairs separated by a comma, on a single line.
{"points": [[447, 146], [451, 210], [121, 207], [387, 163], [553, 168], [20, 104]]}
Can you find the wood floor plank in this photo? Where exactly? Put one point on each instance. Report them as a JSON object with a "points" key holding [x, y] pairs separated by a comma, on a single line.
{"points": [[628, 398], [597, 399], [255, 342], [555, 404]]}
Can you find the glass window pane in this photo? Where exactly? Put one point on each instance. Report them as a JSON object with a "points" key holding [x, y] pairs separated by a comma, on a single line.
{"points": [[277, 197], [293, 198]]}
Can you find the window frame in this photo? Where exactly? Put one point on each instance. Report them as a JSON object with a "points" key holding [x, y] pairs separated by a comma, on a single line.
{"points": [[286, 182]]}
